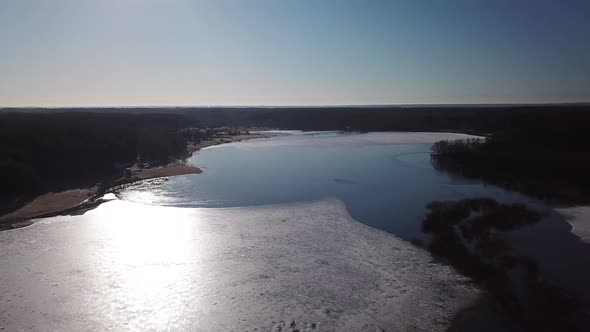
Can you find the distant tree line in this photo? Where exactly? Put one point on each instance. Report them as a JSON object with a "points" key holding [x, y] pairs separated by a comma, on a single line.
{"points": [[465, 119]]}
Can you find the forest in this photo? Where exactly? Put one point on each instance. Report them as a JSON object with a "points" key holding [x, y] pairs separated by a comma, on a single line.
{"points": [[42, 152], [550, 163], [465, 119]]}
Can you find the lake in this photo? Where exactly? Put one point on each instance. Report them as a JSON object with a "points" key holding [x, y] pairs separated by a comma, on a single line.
{"points": [[385, 179]]}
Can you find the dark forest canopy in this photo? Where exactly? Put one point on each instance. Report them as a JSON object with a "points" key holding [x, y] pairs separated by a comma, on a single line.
{"points": [[469, 119], [549, 165], [42, 152]]}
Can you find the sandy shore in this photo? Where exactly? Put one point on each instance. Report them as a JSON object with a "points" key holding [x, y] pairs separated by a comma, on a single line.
{"points": [[52, 203], [47, 204]]}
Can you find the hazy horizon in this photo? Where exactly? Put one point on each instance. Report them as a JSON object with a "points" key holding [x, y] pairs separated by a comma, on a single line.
{"points": [[584, 103], [181, 53]]}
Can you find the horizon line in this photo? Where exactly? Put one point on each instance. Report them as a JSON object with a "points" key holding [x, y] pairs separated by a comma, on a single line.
{"points": [[580, 103]]}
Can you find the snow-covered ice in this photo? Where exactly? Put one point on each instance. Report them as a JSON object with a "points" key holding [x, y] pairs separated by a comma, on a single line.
{"points": [[579, 218], [306, 266]]}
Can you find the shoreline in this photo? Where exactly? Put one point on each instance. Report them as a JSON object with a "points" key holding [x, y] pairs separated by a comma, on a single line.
{"points": [[76, 199]]}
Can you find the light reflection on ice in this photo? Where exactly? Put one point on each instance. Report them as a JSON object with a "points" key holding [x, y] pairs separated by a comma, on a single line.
{"points": [[146, 251], [136, 267]]}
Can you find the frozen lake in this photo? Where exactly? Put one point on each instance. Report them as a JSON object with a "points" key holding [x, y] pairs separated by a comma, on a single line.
{"points": [[272, 236], [127, 266]]}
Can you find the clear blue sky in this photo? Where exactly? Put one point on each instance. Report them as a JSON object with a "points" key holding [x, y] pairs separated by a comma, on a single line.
{"points": [[299, 52]]}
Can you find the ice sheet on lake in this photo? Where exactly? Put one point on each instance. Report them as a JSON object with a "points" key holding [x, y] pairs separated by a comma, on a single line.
{"points": [[135, 267], [350, 139], [579, 218]]}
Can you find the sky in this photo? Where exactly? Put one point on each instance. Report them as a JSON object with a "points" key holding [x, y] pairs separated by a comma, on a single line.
{"points": [[292, 52]]}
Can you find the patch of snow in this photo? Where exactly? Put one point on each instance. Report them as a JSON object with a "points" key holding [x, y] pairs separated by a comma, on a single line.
{"points": [[579, 218], [109, 196]]}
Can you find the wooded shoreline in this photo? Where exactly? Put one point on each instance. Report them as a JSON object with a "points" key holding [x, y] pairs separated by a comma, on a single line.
{"points": [[72, 200]]}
